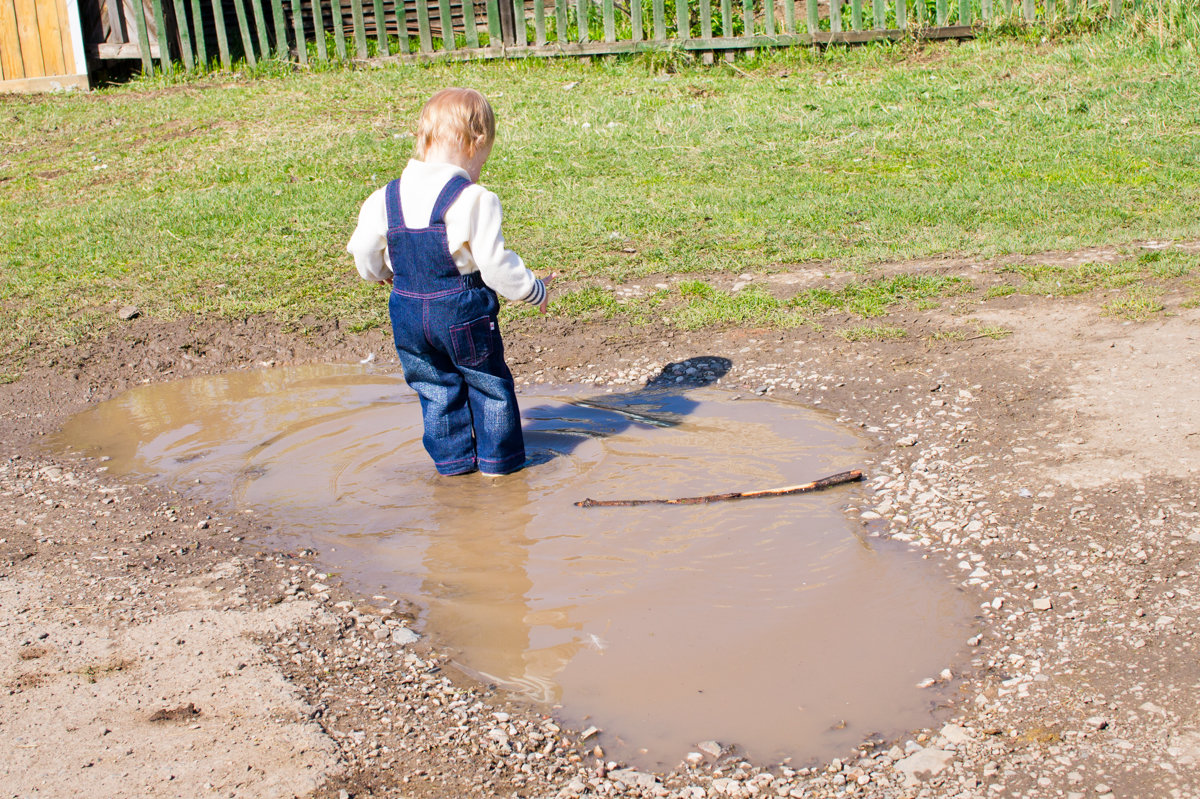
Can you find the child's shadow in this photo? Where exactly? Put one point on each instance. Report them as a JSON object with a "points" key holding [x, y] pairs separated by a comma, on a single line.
{"points": [[554, 430]]}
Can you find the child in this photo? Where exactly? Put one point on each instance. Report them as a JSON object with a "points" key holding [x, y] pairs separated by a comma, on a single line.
{"points": [[434, 234]]}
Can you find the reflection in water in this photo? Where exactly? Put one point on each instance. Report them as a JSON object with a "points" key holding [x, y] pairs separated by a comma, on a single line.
{"points": [[767, 623]]}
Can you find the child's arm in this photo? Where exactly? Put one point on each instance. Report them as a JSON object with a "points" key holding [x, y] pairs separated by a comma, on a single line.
{"points": [[368, 245], [501, 268]]}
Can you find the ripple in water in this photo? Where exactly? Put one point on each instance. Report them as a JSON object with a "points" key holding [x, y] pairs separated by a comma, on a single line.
{"points": [[772, 624]]}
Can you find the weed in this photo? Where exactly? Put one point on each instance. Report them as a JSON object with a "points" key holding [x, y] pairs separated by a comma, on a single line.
{"points": [[873, 333], [993, 332], [1138, 304]]}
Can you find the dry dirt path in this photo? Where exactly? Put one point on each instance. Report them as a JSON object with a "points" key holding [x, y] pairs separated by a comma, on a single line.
{"points": [[147, 646]]}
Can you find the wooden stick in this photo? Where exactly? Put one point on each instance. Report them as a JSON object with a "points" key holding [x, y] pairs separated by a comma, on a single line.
{"points": [[815, 485]]}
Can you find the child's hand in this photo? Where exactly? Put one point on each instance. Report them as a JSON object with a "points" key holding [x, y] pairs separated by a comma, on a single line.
{"points": [[546, 282]]}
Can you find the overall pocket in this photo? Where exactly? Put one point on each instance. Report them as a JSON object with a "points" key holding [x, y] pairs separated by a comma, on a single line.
{"points": [[472, 342]]}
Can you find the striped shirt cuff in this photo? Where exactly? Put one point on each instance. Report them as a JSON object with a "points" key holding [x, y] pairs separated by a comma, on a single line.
{"points": [[537, 294]]}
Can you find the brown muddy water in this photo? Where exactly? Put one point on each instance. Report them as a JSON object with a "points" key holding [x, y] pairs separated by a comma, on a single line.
{"points": [[773, 624]]}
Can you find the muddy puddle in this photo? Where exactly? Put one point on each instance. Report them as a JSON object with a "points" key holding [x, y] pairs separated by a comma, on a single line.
{"points": [[772, 624]]}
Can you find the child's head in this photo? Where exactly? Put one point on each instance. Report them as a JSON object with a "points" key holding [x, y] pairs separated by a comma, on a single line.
{"points": [[458, 119]]}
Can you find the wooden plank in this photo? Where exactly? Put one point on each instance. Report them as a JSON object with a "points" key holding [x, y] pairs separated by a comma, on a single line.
{"points": [[400, 11], [964, 12], [706, 19], [1029, 10], [560, 20], [610, 22], [49, 32], [747, 17], [1114, 8], [879, 13], [446, 20], [539, 22], [64, 38], [495, 28], [726, 17], [902, 14], [814, 19], [12, 64], [129, 50], [683, 20], [943, 11], [470, 29], [53, 83], [381, 40], [185, 36], [789, 16], [239, 9], [835, 16], [318, 18], [581, 19], [635, 20], [260, 27], [422, 26], [856, 17], [298, 30], [164, 49], [769, 17], [660, 22], [360, 28], [521, 23], [281, 41], [985, 10], [143, 36], [197, 25]]}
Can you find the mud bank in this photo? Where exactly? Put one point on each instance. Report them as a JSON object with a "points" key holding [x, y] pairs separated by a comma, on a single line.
{"points": [[150, 645]]}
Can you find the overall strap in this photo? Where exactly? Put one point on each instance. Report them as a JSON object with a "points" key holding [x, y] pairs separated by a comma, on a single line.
{"points": [[450, 192], [391, 193]]}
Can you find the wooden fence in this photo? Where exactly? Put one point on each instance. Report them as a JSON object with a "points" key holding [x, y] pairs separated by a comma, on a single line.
{"points": [[200, 33]]}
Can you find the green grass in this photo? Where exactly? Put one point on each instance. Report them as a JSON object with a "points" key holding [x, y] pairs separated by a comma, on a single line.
{"points": [[231, 197], [1138, 304], [873, 333]]}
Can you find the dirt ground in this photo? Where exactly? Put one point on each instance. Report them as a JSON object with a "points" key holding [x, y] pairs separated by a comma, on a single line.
{"points": [[148, 645]]}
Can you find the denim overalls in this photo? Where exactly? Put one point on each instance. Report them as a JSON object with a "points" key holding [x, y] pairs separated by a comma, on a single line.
{"points": [[446, 333]]}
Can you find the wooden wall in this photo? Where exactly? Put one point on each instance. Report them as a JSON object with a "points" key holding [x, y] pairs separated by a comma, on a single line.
{"points": [[41, 46]]}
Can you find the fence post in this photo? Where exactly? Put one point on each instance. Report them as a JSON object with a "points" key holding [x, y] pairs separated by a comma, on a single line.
{"points": [[560, 19], [143, 37], [964, 12], [239, 10], [298, 28], [835, 16], [164, 48], [539, 23], [198, 29], [185, 38], [281, 42], [660, 23], [339, 26], [902, 14], [447, 22], [222, 39]]}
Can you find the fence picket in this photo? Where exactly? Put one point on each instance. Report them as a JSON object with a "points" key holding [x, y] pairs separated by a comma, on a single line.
{"points": [[835, 16], [660, 24], [856, 19], [298, 29], [360, 28], [400, 11], [239, 10], [539, 22], [610, 25], [447, 23], [1114, 8], [222, 39], [635, 20], [964, 12], [164, 49], [519, 21], [318, 29], [143, 37], [339, 27], [706, 31], [560, 20], [422, 27], [185, 38], [581, 20], [879, 12], [985, 11], [470, 28], [380, 29], [281, 42], [902, 14], [726, 17], [198, 28], [683, 26], [942, 11], [260, 27], [747, 17], [493, 22], [789, 16], [814, 19], [769, 17]]}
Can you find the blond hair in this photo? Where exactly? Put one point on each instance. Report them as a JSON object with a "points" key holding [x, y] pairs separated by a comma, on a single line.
{"points": [[457, 117]]}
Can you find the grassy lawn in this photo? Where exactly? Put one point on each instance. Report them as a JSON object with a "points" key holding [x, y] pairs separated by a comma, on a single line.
{"points": [[231, 196]]}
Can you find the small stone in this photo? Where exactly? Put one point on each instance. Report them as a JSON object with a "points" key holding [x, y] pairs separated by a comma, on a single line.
{"points": [[590, 732], [711, 748], [404, 636], [907, 441], [923, 765], [955, 734], [128, 312], [1042, 603]]}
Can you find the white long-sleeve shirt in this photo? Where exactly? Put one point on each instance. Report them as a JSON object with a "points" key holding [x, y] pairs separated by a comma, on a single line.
{"points": [[472, 230]]}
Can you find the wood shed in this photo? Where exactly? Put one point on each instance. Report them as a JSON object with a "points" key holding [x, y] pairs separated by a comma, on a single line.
{"points": [[41, 46]]}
